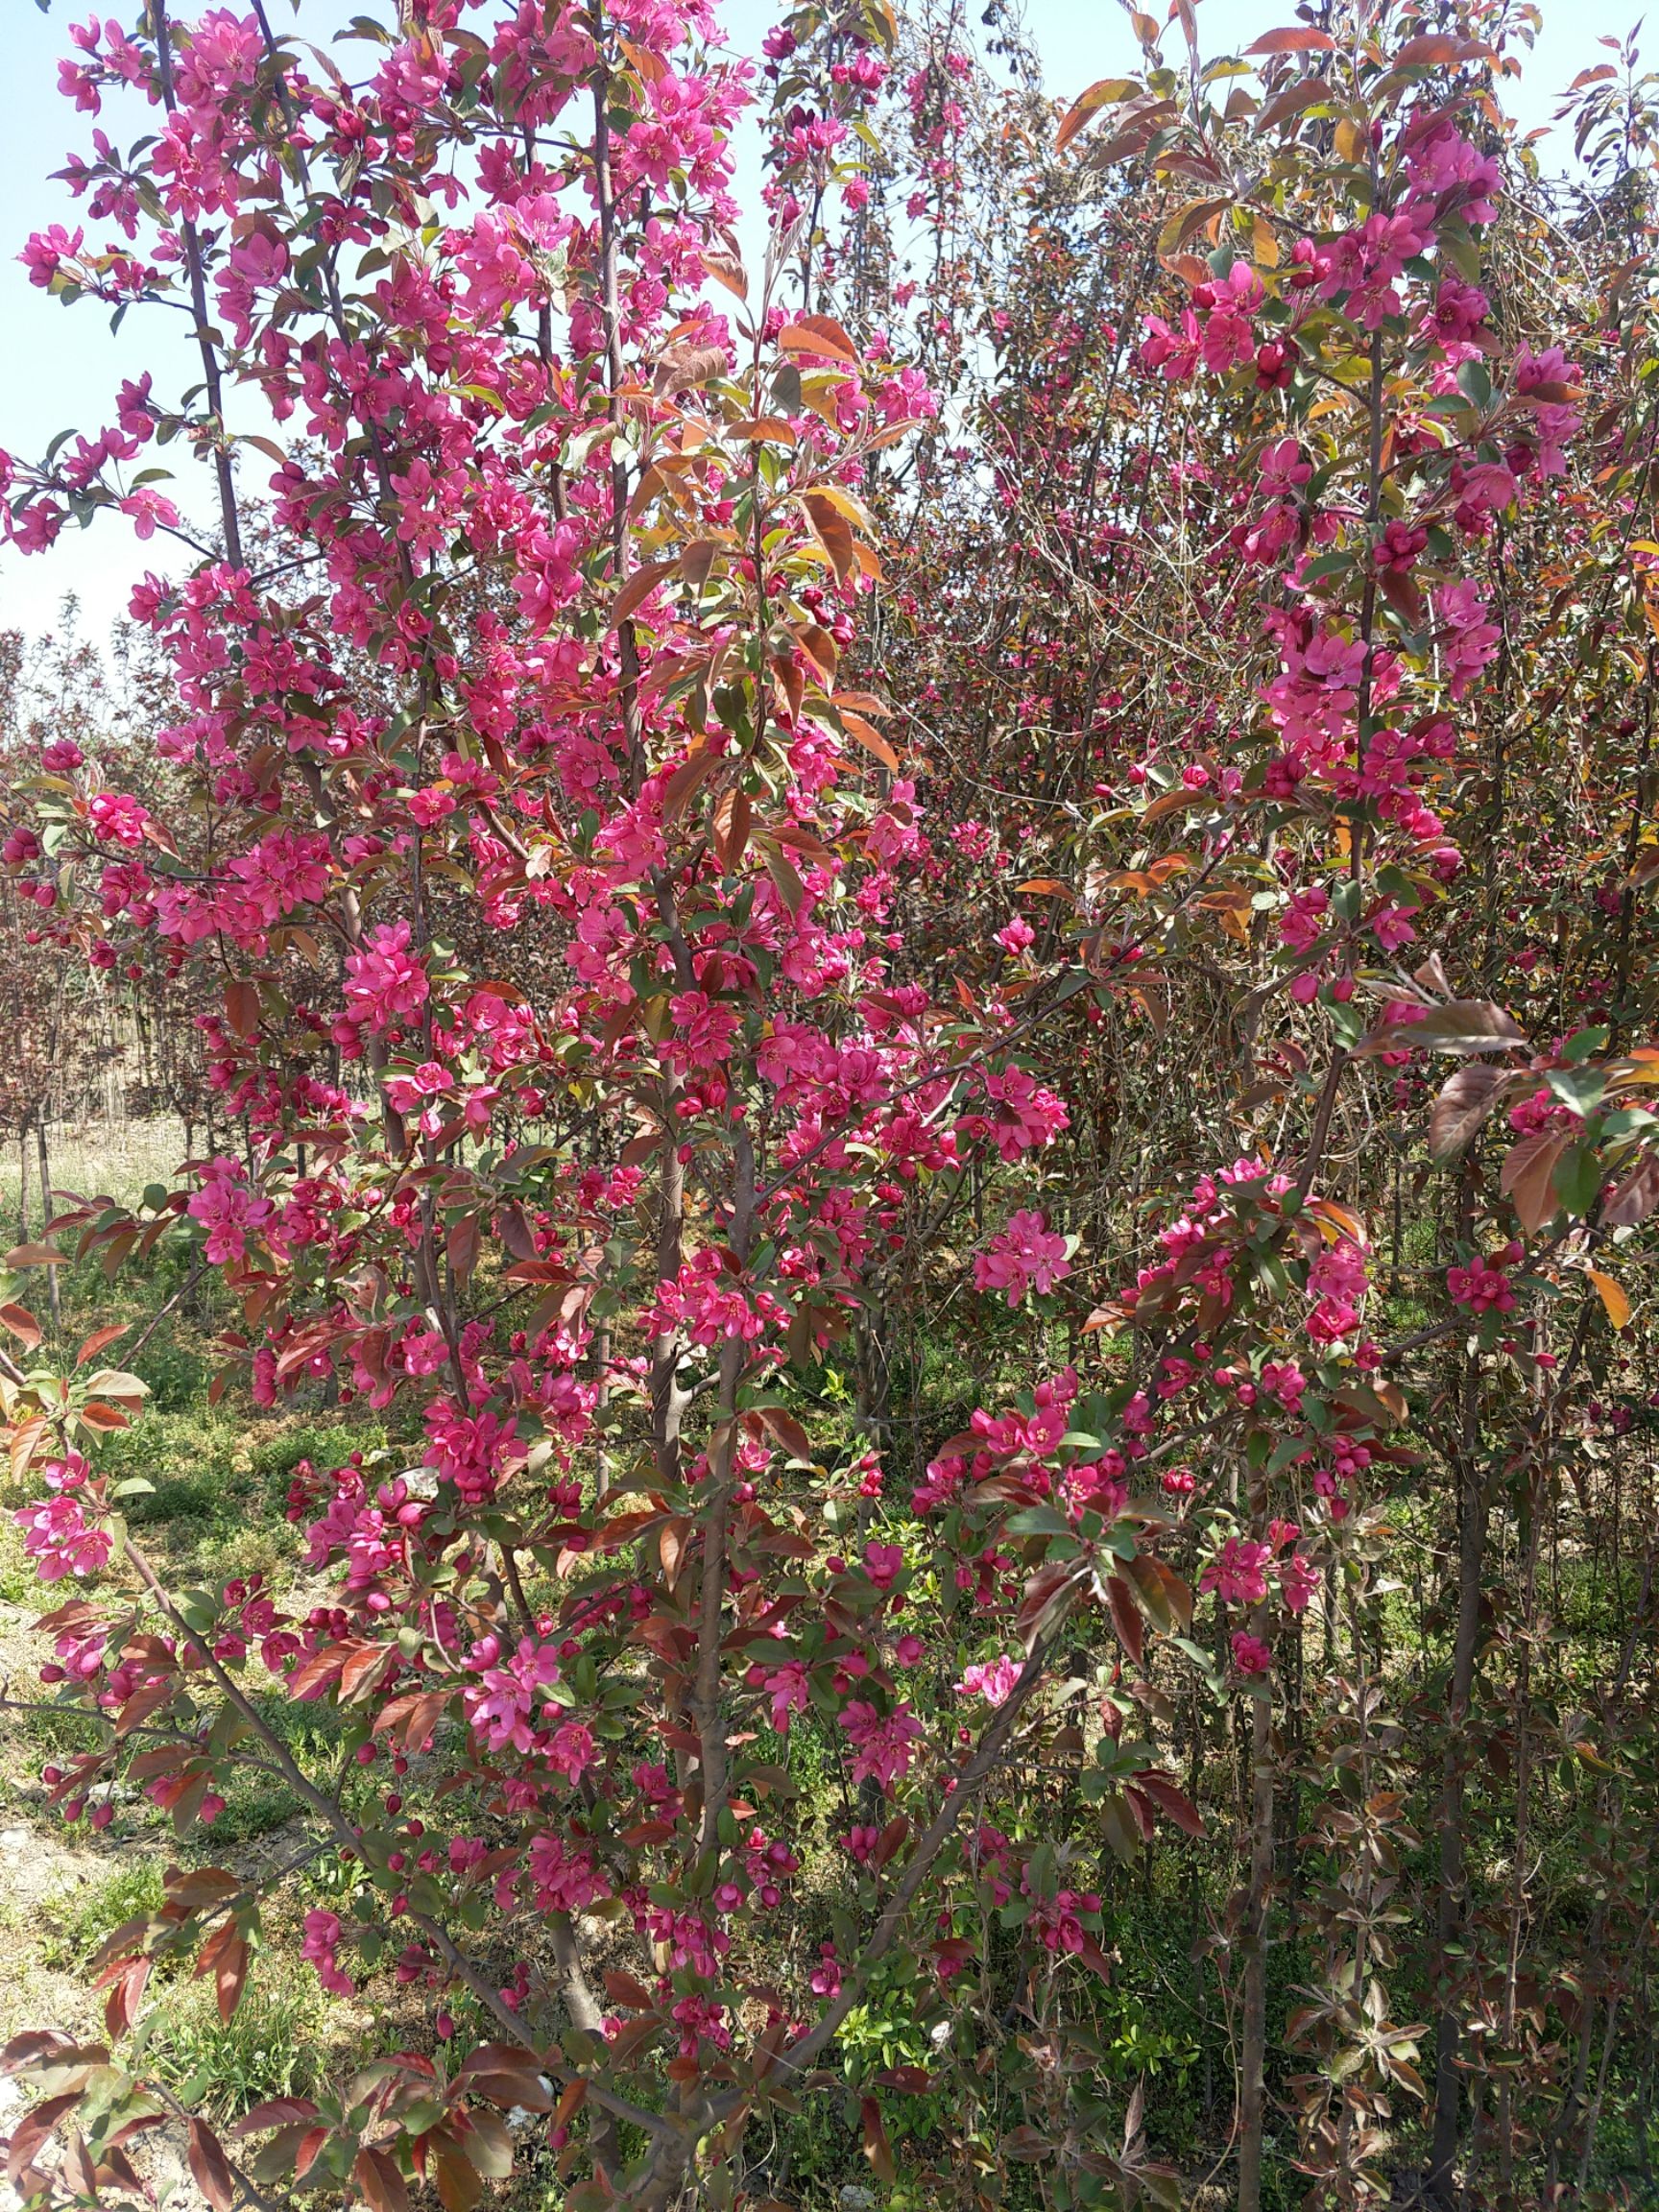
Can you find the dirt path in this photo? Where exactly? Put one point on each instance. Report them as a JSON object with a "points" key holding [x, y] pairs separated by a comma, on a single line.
{"points": [[43, 1867]]}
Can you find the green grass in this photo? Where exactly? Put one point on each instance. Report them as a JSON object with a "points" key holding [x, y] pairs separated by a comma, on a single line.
{"points": [[109, 1160], [272, 2046], [80, 1918], [53, 1731]]}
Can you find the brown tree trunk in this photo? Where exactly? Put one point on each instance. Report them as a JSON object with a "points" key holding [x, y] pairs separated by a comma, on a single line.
{"points": [[1521, 1708], [588, 2015], [1440, 2179], [1253, 2040]]}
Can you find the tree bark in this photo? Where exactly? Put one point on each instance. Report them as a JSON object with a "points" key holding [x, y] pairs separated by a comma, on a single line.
{"points": [[1253, 2040], [1440, 2179], [588, 2015]]}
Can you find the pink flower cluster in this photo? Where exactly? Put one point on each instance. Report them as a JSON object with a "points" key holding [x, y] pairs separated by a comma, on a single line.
{"points": [[883, 1743], [1482, 1285], [228, 1209], [323, 1934], [1238, 1572], [1027, 1116], [385, 982], [708, 1304], [993, 1679], [1025, 1256], [57, 1534], [501, 1703], [1217, 332], [1338, 1281], [1056, 1921]]}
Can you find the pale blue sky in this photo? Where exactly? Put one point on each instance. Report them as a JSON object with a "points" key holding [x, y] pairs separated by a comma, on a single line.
{"points": [[60, 365]]}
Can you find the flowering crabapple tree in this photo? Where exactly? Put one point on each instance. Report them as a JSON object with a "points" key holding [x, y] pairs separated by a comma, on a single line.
{"points": [[543, 860], [1353, 484], [609, 1000]]}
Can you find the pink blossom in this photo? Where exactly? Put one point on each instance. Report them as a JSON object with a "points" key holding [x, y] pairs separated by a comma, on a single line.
{"points": [[1285, 1382], [228, 1209], [322, 1939], [703, 1030], [1304, 918], [1027, 1116], [46, 252], [881, 1741], [1458, 311], [1338, 1281], [117, 818], [501, 1704], [566, 1877], [1023, 1256], [1298, 1580], [149, 511], [1483, 1287], [574, 1750], [1096, 1486], [884, 1563], [1173, 352], [286, 870], [56, 1534], [992, 1679], [385, 982], [1468, 640], [1238, 1572], [1282, 469], [1393, 926], [787, 1688], [1540, 1109], [825, 1978], [1056, 1921], [707, 1302]]}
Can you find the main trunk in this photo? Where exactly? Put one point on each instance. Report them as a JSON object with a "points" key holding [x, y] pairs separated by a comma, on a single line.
{"points": [[1253, 2052], [1441, 2178]]}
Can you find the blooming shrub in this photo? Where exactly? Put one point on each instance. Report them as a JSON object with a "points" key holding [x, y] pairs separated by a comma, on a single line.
{"points": [[605, 1011]]}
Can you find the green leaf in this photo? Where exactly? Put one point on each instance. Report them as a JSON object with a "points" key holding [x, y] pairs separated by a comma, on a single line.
{"points": [[1580, 1088], [1039, 1521], [1578, 1179]]}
